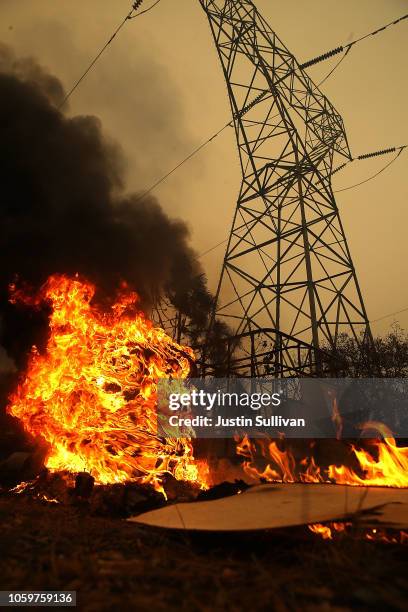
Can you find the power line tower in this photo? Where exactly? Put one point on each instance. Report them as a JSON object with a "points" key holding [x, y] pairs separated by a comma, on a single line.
{"points": [[288, 286]]}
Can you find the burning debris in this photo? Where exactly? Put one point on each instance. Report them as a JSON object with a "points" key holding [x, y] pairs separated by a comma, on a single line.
{"points": [[91, 397]]}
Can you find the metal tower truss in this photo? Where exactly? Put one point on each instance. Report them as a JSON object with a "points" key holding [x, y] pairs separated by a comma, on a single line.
{"points": [[288, 279], [164, 315]]}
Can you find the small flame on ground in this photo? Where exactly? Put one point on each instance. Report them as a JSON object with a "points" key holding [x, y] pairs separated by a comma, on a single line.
{"points": [[326, 531], [389, 469], [329, 531]]}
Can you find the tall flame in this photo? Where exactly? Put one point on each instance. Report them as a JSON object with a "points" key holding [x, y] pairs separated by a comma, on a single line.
{"points": [[92, 395]]}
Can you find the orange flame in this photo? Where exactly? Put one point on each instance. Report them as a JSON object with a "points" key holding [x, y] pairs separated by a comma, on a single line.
{"points": [[390, 469], [284, 468], [92, 395], [337, 419], [328, 531]]}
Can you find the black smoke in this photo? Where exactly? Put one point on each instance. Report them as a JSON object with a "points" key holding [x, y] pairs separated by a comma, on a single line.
{"points": [[63, 205]]}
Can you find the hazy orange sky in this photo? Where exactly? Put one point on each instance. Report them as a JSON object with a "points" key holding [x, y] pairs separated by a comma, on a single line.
{"points": [[159, 92]]}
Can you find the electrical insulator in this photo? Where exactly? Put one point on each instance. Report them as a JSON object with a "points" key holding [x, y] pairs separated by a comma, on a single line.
{"points": [[136, 4], [323, 57], [252, 104], [341, 167], [377, 153]]}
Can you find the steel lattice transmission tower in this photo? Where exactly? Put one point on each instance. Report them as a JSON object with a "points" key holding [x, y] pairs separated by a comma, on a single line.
{"points": [[288, 286]]}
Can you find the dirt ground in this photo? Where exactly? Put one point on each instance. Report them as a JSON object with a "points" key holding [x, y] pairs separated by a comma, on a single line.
{"points": [[115, 565]]}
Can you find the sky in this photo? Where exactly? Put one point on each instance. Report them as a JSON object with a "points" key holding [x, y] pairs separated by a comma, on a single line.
{"points": [[159, 92]]}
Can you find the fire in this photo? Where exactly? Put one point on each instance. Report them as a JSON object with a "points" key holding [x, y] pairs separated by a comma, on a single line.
{"points": [[329, 531], [92, 395], [326, 531], [283, 468], [337, 419], [388, 469]]}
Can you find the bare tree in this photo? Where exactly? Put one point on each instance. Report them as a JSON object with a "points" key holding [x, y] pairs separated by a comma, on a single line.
{"points": [[386, 357]]}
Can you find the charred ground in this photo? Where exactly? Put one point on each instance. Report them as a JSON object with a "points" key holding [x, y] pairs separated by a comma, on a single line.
{"points": [[116, 565]]}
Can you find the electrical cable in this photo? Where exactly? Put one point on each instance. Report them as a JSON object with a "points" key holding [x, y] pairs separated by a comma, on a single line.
{"points": [[360, 157], [348, 46], [129, 16], [145, 10], [391, 314], [183, 161], [213, 248], [354, 42], [335, 68], [370, 178]]}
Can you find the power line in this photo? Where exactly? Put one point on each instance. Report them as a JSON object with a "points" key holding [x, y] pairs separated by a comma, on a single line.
{"points": [[335, 68], [359, 157], [367, 156], [370, 178], [320, 58], [129, 16], [213, 248], [146, 10], [183, 161], [347, 47], [391, 314], [378, 30]]}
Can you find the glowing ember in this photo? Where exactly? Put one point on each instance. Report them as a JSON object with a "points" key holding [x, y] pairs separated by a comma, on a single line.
{"points": [[92, 395], [329, 531]]}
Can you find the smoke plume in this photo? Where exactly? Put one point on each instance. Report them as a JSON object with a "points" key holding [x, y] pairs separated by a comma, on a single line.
{"points": [[63, 205]]}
